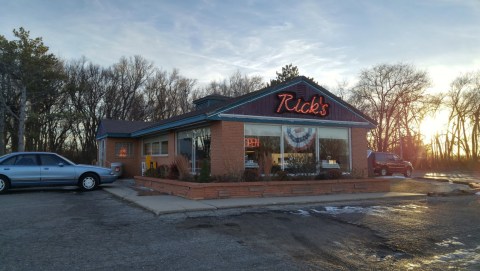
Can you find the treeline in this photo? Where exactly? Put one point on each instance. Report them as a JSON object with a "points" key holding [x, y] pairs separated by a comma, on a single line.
{"points": [[51, 104], [55, 105], [395, 96], [459, 144]]}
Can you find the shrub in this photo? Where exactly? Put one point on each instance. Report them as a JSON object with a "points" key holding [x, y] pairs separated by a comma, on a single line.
{"points": [[158, 172], [173, 172], [333, 174], [151, 172], [183, 168], [276, 168], [204, 176], [251, 175], [281, 175]]}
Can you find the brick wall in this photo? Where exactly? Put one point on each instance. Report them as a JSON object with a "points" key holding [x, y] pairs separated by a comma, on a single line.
{"points": [[359, 151], [263, 189], [227, 148], [131, 165]]}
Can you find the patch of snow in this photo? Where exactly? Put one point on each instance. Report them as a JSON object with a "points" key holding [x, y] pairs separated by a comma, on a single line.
{"points": [[301, 212], [371, 210], [450, 242], [459, 258]]}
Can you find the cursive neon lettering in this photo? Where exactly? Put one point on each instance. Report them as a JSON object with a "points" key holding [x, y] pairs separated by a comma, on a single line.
{"points": [[314, 106]]}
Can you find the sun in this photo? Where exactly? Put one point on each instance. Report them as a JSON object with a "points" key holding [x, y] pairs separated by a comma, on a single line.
{"points": [[433, 125]]}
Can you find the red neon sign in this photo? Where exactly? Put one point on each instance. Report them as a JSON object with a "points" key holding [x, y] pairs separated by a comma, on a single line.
{"points": [[315, 106], [251, 142]]}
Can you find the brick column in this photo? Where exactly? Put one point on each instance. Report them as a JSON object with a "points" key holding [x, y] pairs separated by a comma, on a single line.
{"points": [[359, 151], [227, 148]]}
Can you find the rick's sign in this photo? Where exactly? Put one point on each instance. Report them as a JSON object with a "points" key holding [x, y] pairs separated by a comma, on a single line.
{"points": [[314, 106]]}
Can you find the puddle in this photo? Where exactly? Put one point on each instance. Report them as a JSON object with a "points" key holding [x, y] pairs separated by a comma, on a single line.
{"points": [[371, 210]]}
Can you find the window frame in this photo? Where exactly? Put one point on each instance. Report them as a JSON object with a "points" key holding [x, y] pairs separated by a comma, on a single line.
{"points": [[128, 150], [160, 140]]}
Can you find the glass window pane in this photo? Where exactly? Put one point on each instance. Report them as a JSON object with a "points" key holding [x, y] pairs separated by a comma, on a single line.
{"points": [[334, 148], [338, 133], [123, 149], [50, 160], [155, 148], [195, 145], [164, 147], [262, 147], [263, 130], [300, 150], [10, 161], [26, 160]]}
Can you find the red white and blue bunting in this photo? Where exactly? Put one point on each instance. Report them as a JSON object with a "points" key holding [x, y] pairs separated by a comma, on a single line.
{"points": [[300, 137]]}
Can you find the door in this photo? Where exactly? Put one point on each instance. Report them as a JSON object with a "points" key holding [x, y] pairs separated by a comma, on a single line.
{"points": [[55, 170], [22, 169], [395, 163]]}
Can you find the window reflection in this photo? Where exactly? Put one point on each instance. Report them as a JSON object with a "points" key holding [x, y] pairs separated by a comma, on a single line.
{"points": [[296, 149], [262, 148], [300, 151]]}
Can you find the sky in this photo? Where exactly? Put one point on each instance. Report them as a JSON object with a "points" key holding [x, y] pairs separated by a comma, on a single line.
{"points": [[331, 41]]}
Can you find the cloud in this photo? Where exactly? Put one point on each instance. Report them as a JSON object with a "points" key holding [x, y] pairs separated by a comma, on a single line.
{"points": [[209, 40]]}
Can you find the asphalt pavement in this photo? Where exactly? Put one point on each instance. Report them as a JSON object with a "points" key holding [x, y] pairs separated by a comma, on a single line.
{"points": [[168, 204]]}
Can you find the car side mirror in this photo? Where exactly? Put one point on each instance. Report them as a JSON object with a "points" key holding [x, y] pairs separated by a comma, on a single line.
{"points": [[61, 164]]}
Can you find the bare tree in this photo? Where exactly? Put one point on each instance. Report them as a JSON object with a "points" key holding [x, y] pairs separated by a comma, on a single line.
{"points": [[236, 85], [86, 85], [127, 80], [463, 101], [168, 95], [393, 95]]}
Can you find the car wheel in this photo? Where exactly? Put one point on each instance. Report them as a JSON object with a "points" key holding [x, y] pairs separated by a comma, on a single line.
{"points": [[88, 182], [408, 173], [384, 171], [4, 184]]}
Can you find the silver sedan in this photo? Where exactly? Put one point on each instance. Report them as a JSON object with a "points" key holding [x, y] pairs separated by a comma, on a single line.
{"points": [[24, 169]]}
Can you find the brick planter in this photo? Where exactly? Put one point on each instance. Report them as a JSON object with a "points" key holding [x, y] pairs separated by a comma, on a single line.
{"points": [[263, 189]]}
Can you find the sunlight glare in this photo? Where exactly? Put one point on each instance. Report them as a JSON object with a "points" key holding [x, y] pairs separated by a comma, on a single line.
{"points": [[433, 125]]}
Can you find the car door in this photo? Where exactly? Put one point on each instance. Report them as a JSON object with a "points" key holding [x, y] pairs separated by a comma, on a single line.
{"points": [[22, 169], [55, 170], [396, 164]]}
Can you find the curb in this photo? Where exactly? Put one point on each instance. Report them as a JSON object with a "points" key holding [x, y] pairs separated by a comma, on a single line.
{"points": [[167, 204]]}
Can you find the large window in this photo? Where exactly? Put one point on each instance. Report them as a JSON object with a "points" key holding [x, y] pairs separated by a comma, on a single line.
{"points": [[300, 149], [334, 147], [262, 147], [296, 149], [195, 146], [156, 146]]}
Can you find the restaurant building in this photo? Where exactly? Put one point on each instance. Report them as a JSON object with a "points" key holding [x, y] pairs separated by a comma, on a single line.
{"points": [[295, 122]]}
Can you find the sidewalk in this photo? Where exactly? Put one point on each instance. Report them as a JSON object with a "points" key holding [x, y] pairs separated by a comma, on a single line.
{"points": [[167, 204]]}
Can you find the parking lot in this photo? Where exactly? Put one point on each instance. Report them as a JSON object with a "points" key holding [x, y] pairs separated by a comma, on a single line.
{"points": [[65, 229]]}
